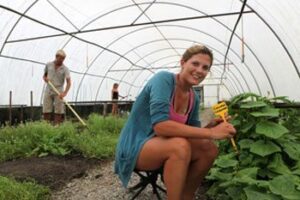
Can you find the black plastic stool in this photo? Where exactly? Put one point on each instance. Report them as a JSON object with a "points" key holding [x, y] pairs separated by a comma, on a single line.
{"points": [[149, 177]]}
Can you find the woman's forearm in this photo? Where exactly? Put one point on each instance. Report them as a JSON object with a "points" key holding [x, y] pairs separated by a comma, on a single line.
{"points": [[171, 128]]}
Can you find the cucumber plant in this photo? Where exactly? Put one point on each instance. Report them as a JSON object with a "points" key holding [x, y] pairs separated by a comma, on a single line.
{"points": [[268, 166]]}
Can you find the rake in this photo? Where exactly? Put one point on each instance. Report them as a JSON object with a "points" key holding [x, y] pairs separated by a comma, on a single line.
{"points": [[69, 106]]}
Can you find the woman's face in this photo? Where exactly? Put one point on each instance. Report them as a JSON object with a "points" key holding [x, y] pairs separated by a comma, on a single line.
{"points": [[195, 69]]}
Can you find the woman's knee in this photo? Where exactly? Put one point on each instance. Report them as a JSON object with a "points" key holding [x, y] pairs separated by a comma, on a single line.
{"points": [[210, 149], [181, 148], [214, 151], [205, 148]]}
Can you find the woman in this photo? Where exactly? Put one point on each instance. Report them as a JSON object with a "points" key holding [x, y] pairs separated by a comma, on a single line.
{"points": [[164, 129], [115, 98]]}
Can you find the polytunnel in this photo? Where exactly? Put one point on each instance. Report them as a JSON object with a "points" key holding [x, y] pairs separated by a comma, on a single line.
{"points": [[123, 99], [256, 45]]}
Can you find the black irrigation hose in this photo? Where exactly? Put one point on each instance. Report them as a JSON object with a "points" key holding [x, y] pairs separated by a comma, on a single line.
{"points": [[230, 40]]}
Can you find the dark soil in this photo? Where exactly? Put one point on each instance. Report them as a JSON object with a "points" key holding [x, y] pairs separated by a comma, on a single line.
{"points": [[50, 171]]}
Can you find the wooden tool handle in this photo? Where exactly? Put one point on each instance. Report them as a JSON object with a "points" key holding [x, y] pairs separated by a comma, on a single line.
{"points": [[70, 107]]}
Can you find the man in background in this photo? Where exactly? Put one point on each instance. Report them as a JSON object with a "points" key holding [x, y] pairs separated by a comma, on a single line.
{"points": [[57, 73]]}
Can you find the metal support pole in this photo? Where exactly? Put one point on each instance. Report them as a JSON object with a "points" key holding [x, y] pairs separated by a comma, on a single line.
{"points": [[22, 114], [105, 109], [31, 105], [10, 108]]}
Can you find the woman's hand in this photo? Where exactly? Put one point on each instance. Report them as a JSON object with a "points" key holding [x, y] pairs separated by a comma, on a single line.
{"points": [[222, 131], [214, 122]]}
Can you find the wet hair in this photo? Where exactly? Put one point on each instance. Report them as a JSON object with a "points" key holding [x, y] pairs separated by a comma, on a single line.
{"points": [[196, 49]]}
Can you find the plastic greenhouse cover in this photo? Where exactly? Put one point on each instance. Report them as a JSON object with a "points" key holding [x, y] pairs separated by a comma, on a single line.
{"points": [[129, 41]]}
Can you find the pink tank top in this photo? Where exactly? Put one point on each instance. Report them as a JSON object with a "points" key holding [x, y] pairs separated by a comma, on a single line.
{"points": [[179, 117]]}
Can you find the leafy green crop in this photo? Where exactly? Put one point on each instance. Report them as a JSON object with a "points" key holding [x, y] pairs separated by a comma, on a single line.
{"points": [[11, 189], [268, 166], [41, 139]]}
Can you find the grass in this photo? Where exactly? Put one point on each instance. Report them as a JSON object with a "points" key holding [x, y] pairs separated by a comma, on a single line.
{"points": [[12, 190]]}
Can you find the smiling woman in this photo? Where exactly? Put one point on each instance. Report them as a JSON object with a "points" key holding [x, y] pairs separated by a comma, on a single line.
{"points": [[196, 57], [164, 129]]}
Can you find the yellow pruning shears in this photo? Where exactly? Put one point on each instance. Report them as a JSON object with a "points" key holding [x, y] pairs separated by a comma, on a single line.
{"points": [[221, 109]]}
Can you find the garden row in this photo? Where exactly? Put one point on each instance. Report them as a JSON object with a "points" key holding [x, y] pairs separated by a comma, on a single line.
{"points": [[38, 139]]}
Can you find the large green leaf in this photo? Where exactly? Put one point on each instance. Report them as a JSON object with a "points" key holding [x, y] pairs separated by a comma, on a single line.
{"points": [[259, 160], [292, 149], [214, 189], [297, 135], [282, 98], [266, 112], [246, 158], [224, 162], [251, 172], [242, 97], [284, 186], [266, 173], [215, 174], [245, 180], [247, 176], [253, 104], [263, 148], [288, 137], [262, 184], [247, 125], [296, 172], [235, 122], [245, 143], [277, 165], [298, 164], [226, 184], [255, 194], [271, 129], [235, 192]]}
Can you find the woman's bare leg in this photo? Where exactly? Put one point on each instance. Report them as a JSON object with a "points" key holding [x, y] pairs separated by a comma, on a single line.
{"points": [[204, 153], [175, 154], [114, 109]]}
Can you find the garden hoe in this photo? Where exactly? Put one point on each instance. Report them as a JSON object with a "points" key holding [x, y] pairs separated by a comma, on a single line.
{"points": [[221, 109], [69, 106]]}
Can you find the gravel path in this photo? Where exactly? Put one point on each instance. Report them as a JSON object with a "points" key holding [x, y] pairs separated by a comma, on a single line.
{"points": [[100, 183]]}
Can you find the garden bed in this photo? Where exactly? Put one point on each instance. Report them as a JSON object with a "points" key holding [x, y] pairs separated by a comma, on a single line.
{"points": [[51, 171]]}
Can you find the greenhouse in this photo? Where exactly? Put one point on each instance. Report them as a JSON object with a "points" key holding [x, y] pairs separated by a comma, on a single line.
{"points": [[85, 83]]}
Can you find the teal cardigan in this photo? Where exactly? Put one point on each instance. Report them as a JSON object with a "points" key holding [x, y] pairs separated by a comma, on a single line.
{"points": [[151, 106]]}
